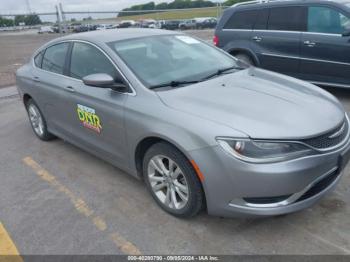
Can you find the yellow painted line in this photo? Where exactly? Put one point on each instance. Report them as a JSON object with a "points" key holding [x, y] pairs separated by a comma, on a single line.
{"points": [[125, 246], [82, 207], [7, 247], [99, 223]]}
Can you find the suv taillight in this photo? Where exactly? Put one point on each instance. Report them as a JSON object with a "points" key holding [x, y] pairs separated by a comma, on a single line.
{"points": [[216, 40]]}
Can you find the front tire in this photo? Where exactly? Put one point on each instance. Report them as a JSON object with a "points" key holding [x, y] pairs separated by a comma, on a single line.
{"points": [[245, 58], [172, 181], [37, 121]]}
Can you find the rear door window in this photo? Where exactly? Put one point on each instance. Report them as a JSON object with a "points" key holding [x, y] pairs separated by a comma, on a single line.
{"points": [[291, 18], [261, 20], [55, 57], [326, 20], [242, 20]]}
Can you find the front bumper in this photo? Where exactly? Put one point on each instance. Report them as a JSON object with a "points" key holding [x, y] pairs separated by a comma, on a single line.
{"points": [[235, 188]]}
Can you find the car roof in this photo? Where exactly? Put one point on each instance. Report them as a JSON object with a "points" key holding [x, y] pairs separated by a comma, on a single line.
{"points": [[111, 35], [254, 4]]}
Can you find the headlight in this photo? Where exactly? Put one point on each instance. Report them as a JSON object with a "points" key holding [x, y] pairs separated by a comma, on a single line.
{"points": [[263, 151]]}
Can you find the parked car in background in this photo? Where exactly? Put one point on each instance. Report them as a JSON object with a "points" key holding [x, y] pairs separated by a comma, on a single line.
{"points": [[188, 24], [104, 27], [46, 29], [64, 28], [159, 24], [84, 28], [307, 39], [73, 26], [148, 23], [126, 23], [171, 24], [80, 28], [207, 23]]}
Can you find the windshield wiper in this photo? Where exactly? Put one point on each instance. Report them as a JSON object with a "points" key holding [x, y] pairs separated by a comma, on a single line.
{"points": [[174, 84], [178, 83], [221, 71]]}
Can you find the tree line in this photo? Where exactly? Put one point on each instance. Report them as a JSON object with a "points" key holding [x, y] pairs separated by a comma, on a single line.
{"points": [[26, 19], [176, 4]]}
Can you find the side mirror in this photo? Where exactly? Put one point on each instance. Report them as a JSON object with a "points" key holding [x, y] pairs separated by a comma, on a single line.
{"points": [[98, 80], [103, 81], [346, 32]]}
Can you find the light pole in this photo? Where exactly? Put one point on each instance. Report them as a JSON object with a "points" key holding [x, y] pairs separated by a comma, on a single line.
{"points": [[28, 7], [219, 7]]}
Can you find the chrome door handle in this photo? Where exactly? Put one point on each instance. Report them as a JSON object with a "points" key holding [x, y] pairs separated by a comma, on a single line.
{"points": [[69, 89], [309, 43], [257, 38]]}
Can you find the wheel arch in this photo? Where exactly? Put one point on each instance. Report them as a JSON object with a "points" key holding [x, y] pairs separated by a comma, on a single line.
{"points": [[145, 143], [149, 141], [235, 51], [26, 98]]}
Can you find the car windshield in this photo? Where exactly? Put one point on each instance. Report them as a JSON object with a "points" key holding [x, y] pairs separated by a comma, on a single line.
{"points": [[165, 59]]}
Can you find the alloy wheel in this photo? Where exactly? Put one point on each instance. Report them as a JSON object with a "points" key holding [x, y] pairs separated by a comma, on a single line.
{"points": [[36, 119], [168, 182]]}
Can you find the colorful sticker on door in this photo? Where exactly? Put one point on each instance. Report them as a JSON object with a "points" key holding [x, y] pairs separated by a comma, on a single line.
{"points": [[88, 118]]}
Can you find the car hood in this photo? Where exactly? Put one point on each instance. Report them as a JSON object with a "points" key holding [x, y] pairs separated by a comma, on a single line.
{"points": [[260, 103]]}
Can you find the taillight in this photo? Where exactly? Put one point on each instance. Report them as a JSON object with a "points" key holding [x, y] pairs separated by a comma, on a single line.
{"points": [[216, 40]]}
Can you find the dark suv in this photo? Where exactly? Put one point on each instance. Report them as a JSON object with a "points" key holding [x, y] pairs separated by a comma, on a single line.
{"points": [[307, 39]]}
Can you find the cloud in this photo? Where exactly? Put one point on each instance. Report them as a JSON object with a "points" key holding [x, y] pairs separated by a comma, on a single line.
{"points": [[38, 6]]}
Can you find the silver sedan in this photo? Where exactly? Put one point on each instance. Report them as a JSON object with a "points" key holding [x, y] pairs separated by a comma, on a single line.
{"points": [[201, 128]]}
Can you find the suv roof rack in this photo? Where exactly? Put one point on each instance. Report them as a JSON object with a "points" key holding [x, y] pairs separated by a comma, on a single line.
{"points": [[258, 2]]}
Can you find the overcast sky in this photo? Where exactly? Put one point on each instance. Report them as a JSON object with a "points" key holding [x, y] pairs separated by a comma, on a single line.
{"points": [[20, 6]]}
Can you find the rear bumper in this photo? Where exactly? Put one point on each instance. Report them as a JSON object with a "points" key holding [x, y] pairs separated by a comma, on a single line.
{"points": [[234, 188]]}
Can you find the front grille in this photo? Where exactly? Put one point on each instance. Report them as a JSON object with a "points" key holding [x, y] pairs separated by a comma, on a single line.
{"points": [[326, 140], [320, 186]]}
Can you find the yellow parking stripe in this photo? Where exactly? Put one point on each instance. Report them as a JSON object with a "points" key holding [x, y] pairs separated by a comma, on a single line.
{"points": [[7, 247], [82, 207]]}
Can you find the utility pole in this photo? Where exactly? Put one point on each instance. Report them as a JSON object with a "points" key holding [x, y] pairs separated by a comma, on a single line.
{"points": [[28, 7], [63, 17], [62, 13], [58, 20]]}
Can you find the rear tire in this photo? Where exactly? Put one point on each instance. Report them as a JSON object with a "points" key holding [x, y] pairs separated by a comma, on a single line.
{"points": [[37, 121], [172, 181], [245, 58]]}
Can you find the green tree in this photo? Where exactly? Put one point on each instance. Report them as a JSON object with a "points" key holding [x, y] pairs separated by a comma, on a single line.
{"points": [[5, 21], [28, 19], [161, 6], [176, 4], [33, 20], [232, 2]]}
